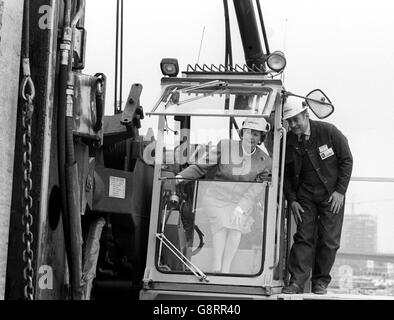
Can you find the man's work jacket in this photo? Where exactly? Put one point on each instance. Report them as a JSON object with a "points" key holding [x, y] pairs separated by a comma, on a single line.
{"points": [[329, 154]]}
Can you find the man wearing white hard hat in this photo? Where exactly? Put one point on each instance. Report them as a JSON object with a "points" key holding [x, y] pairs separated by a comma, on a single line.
{"points": [[229, 206], [317, 173]]}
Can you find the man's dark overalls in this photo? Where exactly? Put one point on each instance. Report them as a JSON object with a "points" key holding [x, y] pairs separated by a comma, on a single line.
{"points": [[318, 235]]}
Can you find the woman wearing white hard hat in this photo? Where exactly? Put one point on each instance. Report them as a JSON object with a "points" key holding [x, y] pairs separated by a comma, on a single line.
{"points": [[253, 133], [229, 205]]}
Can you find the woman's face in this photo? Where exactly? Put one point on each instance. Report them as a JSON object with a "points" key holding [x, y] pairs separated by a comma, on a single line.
{"points": [[250, 138]]}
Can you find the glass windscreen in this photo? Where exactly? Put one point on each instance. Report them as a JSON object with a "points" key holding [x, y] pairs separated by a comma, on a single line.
{"points": [[218, 100], [191, 145], [198, 230]]}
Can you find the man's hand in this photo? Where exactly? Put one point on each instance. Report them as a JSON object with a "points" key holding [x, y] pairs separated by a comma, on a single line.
{"points": [[237, 216], [297, 210], [336, 200]]}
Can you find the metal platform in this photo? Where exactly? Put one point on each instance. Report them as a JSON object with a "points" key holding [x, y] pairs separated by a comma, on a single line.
{"points": [[331, 296]]}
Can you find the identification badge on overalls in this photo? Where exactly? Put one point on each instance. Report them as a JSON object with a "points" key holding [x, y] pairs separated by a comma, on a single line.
{"points": [[323, 148], [325, 152]]}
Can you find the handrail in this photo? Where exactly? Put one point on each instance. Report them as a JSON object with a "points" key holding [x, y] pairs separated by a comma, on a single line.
{"points": [[162, 231], [279, 212], [182, 258], [372, 179], [203, 85]]}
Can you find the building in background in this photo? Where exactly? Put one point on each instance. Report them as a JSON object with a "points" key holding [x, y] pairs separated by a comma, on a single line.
{"points": [[359, 234], [361, 275]]}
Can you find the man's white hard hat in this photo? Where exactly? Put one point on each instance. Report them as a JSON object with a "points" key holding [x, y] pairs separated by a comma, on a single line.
{"points": [[259, 124], [293, 106]]}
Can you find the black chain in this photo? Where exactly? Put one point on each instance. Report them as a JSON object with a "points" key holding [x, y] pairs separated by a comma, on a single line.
{"points": [[27, 93], [27, 218]]}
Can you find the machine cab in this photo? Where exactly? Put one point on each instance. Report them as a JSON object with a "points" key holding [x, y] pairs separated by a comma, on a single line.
{"points": [[196, 114]]}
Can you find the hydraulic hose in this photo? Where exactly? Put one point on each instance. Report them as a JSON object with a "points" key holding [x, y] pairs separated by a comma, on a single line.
{"points": [[61, 134], [228, 54], [101, 79], [78, 16], [68, 170], [73, 187]]}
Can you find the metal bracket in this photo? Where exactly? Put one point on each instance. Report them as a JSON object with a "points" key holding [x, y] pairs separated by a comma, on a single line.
{"points": [[79, 48], [133, 113]]}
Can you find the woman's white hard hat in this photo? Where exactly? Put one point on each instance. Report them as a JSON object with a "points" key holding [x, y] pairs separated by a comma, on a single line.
{"points": [[259, 124], [293, 106]]}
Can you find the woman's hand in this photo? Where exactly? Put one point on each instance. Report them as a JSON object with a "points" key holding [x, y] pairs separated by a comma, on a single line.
{"points": [[238, 216], [178, 179], [263, 176]]}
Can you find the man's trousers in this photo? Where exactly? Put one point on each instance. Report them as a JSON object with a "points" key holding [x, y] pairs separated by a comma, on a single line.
{"points": [[317, 238]]}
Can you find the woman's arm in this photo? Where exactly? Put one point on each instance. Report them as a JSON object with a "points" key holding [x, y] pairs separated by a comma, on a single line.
{"points": [[195, 171]]}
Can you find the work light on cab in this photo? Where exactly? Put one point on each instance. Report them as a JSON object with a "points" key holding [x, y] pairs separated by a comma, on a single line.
{"points": [[276, 61], [169, 67]]}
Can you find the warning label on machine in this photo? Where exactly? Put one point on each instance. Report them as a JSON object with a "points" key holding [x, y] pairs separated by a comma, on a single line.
{"points": [[117, 187]]}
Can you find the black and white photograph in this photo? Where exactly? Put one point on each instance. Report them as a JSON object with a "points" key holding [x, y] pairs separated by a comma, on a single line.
{"points": [[200, 150]]}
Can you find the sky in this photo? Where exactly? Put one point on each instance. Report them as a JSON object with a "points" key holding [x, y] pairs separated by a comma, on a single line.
{"points": [[345, 48]]}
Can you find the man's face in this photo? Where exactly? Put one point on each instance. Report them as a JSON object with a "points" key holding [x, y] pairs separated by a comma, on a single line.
{"points": [[298, 123]]}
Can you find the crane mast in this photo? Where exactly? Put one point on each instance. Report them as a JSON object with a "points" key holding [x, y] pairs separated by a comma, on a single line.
{"points": [[250, 33]]}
